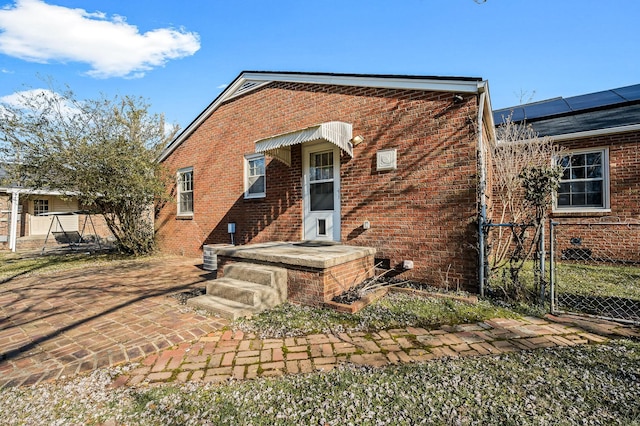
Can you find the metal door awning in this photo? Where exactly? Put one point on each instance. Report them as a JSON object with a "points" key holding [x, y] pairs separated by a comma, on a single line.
{"points": [[279, 146]]}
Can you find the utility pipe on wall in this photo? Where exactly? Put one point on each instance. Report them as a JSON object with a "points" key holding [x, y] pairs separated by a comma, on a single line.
{"points": [[481, 190]]}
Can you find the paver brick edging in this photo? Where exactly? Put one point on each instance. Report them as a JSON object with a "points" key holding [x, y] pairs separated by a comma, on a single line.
{"points": [[222, 360]]}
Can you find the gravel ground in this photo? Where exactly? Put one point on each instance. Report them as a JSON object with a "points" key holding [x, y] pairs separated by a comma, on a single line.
{"points": [[586, 385]]}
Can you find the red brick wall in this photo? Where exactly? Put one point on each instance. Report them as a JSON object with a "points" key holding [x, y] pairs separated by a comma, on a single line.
{"points": [[423, 211], [624, 188], [609, 241], [5, 224], [624, 172], [5, 206]]}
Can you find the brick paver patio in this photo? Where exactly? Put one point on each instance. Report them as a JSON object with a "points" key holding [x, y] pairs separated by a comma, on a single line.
{"points": [[71, 322]]}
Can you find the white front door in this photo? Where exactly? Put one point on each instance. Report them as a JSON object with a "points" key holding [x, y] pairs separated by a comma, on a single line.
{"points": [[321, 191]]}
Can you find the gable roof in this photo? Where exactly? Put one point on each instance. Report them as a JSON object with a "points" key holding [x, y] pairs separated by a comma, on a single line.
{"points": [[248, 81], [606, 111]]}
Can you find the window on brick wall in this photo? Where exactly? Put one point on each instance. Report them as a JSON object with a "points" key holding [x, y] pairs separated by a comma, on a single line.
{"points": [[185, 191], [584, 185], [254, 176]]}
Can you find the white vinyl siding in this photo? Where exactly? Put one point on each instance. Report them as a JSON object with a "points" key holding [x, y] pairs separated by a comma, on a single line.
{"points": [[39, 225]]}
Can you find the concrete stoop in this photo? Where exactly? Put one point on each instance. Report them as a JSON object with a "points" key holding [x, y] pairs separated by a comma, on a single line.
{"points": [[244, 289]]}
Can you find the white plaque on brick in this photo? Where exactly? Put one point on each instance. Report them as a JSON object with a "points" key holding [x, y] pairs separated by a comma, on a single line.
{"points": [[386, 160]]}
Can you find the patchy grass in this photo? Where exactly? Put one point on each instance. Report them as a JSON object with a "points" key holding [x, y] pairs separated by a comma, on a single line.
{"points": [[13, 265], [396, 310], [580, 278], [599, 280], [586, 385]]}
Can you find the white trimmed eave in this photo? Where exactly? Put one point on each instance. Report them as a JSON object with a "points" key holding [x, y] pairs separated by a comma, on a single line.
{"points": [[483, 87], [436, 85], [27, 191], [384, 82], [598, 132]]}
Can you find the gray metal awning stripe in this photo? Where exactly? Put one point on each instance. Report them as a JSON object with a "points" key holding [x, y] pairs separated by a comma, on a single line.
{"points": [[279, 146]]}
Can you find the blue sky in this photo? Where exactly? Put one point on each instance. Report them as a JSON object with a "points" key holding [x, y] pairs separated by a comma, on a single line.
{"points": [[179, 55]]}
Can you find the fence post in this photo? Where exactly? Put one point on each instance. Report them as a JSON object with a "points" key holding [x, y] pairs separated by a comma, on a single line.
{"points": [[481, 254], [552, 269], [542, 264]]}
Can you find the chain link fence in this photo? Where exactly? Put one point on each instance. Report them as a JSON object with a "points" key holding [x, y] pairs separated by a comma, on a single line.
{"points": [[515, 265], [595, 268]]}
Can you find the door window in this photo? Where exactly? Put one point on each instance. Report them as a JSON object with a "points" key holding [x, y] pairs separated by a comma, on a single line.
{"points": [[321, 181]]}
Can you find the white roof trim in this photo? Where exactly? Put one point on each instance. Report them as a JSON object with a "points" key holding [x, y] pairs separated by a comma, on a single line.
{"points": [[28, 191], [430, 84], [279, 146], [598, 132], [238, 87]]}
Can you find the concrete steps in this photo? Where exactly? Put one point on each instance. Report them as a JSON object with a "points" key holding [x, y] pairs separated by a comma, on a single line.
{"points": [[246, 292], [244, 289]]}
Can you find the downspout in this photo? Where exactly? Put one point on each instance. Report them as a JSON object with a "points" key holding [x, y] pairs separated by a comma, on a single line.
{"points": [[482, 184], [13, 227]]}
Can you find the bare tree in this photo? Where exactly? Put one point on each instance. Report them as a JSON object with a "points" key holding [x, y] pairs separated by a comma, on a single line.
{"points": [[103, 151], [525, 176]]}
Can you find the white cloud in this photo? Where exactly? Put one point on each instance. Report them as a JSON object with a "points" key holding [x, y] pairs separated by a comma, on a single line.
{"points": [[38, 98], [35, 31], [222, 86]]}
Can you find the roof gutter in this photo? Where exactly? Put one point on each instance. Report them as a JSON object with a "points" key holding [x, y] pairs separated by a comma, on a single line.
{"points": [[482, 184], [586, 134], [598, 132]]}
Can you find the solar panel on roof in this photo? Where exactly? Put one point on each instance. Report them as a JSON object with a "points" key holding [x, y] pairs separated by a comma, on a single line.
{"points": [[543, 109], [556, 106], [630, 93], [589, 120], [517, 114], [593, 100]]}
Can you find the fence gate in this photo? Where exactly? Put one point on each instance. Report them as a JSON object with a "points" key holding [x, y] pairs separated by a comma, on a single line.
{"points": [[595, 268]]}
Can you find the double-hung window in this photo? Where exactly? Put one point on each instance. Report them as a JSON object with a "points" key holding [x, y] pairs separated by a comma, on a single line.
{"points": [[254, 176], [185, 191], [584, 185]]}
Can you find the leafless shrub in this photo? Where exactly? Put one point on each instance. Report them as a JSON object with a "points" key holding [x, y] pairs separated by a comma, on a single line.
{"points": [[525, 177]]}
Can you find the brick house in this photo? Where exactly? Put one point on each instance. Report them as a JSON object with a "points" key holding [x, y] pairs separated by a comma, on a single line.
{"points": [[387, 162], [600, 136]]}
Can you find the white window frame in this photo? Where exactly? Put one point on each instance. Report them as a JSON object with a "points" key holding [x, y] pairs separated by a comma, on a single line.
{"points": [[180, 191], [248, 176], [605, 183]]}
